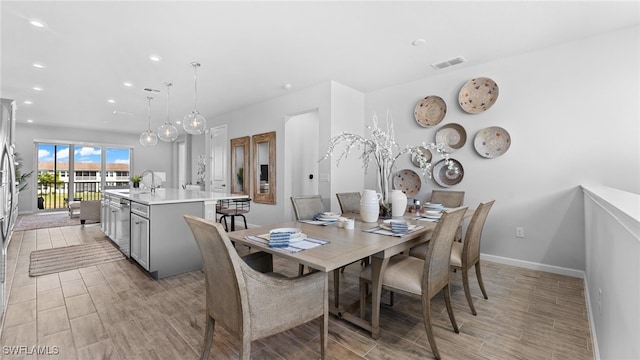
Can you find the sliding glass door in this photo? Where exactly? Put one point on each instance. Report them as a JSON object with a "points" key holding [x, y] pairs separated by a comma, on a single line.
{"points": [[63, 178]]}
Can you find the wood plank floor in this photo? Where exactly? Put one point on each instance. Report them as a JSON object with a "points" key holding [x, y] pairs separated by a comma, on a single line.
{"points": [[115, 311]]}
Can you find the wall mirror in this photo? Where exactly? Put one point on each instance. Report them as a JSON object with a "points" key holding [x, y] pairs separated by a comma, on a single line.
{"points": [[264, 168], [240, 165]]}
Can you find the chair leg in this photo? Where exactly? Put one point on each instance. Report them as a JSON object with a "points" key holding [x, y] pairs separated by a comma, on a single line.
{"points": [[363, 297], [245, 220], [336, 287], [479, 276], [447, 300], [245, 348], [428, 326], [324, 335], [208, 337], [224, 218], [467, 291]]}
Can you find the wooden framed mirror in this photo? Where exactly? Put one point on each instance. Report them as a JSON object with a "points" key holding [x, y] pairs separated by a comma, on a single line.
{"points": [[240, 166], [264, 168]]}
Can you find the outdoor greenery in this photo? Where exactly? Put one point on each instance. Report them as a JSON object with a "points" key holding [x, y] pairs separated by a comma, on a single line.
{"points": [[21, 177]]}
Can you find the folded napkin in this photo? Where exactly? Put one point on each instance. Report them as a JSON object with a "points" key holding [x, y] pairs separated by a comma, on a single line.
{"points": [[279, 239], [399, 227]]}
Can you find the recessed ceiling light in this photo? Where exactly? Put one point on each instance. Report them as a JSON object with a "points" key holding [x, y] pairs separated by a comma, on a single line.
{"points": [[38, 65], [29, 120], [418, 42], [127, 84], [37, 23], [27, 102], [287, 86], [37, 88], [111, 101], [155, 58]]}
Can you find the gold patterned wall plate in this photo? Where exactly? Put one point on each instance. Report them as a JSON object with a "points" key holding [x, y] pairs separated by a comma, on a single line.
{"points": [[453, 136], [430, 111], [445, 177], [478, 95], [407, 181], [425, 152], [492, 142]]}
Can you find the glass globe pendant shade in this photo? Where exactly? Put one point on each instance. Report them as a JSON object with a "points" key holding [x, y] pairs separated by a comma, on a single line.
{"points": [[194, 123], [148, 138], [167, 132]]}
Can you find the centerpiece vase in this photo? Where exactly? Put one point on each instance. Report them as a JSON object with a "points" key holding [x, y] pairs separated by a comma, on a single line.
{"points": [[398, 203], [369, 206]]}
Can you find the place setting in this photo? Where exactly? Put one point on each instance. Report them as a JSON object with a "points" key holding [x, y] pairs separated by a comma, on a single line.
{"points": [[292, 240], [394, 227], [323, 218]]}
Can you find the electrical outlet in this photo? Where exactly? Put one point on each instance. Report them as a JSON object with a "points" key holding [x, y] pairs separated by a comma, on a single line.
{"points": [[520, 232]]}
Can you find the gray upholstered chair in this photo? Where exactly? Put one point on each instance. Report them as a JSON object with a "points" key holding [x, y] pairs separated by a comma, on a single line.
{"points": [[90, 210], [249, 304], [467, 254], [305, 207], [419, 278], [349, 202], [449, 199]]}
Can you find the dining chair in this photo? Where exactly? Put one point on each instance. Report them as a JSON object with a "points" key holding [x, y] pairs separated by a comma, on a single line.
{"points": [[449, 199], [349, 202], [306, 207], [249, 304], [422, 279], [466, 254]]}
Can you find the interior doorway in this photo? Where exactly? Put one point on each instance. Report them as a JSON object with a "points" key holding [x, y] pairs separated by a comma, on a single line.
{"points": [[301, 157]]}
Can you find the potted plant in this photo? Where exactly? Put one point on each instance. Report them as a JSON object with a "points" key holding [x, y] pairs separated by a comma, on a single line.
{"points": [[135, 179]]}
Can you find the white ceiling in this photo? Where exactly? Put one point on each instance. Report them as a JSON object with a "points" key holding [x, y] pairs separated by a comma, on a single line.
{"points": [[249, 50]]}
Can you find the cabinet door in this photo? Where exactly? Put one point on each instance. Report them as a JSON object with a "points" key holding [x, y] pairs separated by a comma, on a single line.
{"points": [[140, 240]]}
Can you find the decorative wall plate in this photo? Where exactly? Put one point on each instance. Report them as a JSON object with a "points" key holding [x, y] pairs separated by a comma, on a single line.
{"points": [[453, 136], [478, 95], [430, 111], [445, 177], [425, 152], [492, 142], [407, 181]]}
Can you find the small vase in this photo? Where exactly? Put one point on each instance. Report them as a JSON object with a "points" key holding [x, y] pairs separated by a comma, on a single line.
{"points": [[136, 185], [398, 203]]}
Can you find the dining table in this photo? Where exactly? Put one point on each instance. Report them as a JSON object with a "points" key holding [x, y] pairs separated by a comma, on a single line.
{"points": [[343, 247]]}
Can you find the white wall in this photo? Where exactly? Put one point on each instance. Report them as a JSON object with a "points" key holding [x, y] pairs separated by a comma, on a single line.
{"points": [[158, 158], [613, 271], [572, 112]]}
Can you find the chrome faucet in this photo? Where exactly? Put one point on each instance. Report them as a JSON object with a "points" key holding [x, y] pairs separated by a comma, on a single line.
{"points": [[153, 179]]}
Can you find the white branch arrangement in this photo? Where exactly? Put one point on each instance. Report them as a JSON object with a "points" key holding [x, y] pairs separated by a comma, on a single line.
{"points": [[383, 149]]}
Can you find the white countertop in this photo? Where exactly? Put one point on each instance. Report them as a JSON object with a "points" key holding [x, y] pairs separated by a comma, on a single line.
{"points": [[170, 196]]}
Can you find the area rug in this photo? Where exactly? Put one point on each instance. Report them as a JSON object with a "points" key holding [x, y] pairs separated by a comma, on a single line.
{"points": [[46, 220], [65, 258]]}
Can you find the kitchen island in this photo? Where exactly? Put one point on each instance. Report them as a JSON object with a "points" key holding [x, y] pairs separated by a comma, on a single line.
{"points": [[150, 228]]}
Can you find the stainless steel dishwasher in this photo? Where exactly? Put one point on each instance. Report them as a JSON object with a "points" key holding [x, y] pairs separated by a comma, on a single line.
{"points": [[119, 223]]}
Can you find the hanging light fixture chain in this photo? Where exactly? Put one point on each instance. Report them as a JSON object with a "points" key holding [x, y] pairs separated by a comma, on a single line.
{"points": [[195, 84]]}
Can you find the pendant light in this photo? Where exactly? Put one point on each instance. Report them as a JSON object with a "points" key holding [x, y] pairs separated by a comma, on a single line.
{"points": [[149, 138], [167, 131], [195, 123]]}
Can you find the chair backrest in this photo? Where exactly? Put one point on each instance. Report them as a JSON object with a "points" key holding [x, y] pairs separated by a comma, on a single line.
{"points": [[436, 265], [450, 199], [349, 202], [307, 206], [471, 245], [227, 300]]}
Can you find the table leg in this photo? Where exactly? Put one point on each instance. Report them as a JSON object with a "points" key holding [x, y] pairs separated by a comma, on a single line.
{"points": [[377, 268]]}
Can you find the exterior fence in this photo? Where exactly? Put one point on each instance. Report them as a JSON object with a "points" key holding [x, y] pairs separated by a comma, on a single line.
{"points": [[55, 195]]}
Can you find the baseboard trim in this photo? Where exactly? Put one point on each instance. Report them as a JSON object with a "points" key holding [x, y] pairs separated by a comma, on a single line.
{"points": [[592, 323], [534, 266]]}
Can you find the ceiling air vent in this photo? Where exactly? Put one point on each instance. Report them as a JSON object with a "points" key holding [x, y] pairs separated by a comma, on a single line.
{"points": [[450, 62], [151, 90]]}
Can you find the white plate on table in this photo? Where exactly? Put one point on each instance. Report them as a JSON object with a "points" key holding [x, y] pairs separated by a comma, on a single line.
{"points": [[296, 235]]}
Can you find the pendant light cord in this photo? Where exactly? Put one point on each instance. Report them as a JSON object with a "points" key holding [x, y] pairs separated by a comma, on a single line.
{"points": [[168, 85], [149, 113], [195, 85]]}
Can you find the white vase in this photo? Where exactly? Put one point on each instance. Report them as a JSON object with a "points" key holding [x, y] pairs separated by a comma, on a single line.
{"points": [[398, 203], [370, 206]]}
